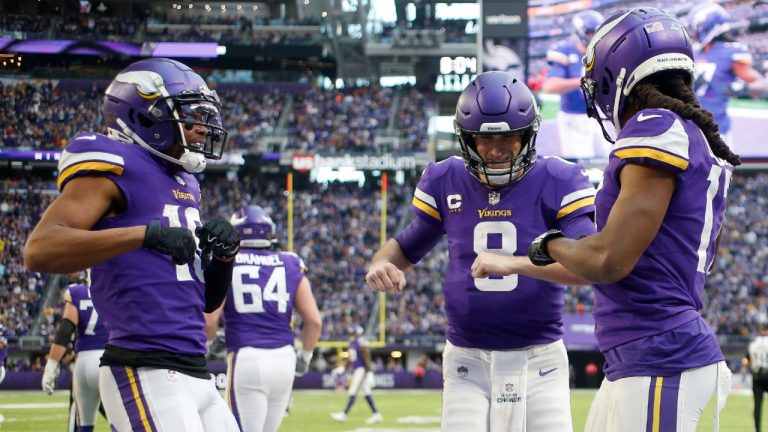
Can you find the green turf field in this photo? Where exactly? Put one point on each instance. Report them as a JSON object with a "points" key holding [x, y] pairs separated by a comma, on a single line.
{"points": [[409, 411]]}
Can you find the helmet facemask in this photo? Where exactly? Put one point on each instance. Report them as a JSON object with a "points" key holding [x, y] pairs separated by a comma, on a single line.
{"points": [[518, 165]]}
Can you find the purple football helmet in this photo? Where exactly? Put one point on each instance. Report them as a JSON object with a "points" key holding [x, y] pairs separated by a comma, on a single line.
{"points": [[585, 24], [151, 101], [255, 227], [708, 21], [631, 45], [496, 103]]}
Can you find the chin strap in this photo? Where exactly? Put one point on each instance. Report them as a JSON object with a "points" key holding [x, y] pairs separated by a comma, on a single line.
{"points": [[190, 161]]}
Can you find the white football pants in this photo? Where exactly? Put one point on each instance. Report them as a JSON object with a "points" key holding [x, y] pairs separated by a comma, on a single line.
{"points": [[259, 384], [162, 400], [659, 404], [506, 391]]}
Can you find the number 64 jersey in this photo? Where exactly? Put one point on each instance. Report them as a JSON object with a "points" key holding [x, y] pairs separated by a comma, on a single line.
{"points": [[511, 312], [259, 305]]}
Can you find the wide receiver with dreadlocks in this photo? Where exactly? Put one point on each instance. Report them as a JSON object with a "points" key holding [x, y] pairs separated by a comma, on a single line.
{"points": [[659, 213]]}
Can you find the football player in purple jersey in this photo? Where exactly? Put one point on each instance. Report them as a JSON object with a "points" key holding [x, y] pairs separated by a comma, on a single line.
{"points": [[659, 212], [578, 139], [129, 210], [267, 285], [719, 61], [362, 376], [504, 366], [81, 319]]}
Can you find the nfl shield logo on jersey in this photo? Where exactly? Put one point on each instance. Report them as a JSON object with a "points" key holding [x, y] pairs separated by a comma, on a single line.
{"points": [[462, 371], [494, 198], [509, 387]]}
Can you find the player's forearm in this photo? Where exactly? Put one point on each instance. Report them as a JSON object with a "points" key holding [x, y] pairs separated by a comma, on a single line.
{"points": [[61, 249], [391, 253], [57, 352], [554, 273], [590, 258], [560, 85], [311, 333]]}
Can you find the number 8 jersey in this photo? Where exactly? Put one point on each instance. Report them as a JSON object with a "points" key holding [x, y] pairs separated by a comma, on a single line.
{"points": [[509, 312], [146, 301]]}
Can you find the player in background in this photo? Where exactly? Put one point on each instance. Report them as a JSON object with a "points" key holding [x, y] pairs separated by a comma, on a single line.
{"points": [[362, 376], [267, 285], [129, 210], [757, 360], [659, 213], [719, 61], [82, 320], [578, 139], [504, 366]]}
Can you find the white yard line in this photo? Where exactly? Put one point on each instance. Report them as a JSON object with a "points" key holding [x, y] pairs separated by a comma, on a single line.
{"points": [[34, 405]]}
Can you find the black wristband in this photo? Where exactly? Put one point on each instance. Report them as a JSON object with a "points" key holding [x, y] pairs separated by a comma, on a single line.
{"points": [[538, 252], [218, 277]]}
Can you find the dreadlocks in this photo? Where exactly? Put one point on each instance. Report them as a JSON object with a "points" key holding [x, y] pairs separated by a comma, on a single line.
{"points": [[670, 90]]}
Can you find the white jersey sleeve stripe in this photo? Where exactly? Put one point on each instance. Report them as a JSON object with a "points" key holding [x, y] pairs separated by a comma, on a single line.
{"points": [[425, 197], [575, 196], [68, 159], [673, 141]]}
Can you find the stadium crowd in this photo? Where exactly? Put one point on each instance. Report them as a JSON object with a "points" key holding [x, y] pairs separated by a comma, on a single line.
{"points": [[335, 235], [40, 115]]}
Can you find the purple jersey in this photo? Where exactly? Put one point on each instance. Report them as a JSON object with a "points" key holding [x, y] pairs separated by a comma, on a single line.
{"points": [[663, 291], [259, 304], [355, 353], [513, 311], [91, 333], [714, 76], [565, 62], [147, 302]]}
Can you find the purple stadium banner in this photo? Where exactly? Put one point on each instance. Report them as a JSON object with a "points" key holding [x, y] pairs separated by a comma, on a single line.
{"points": [[579, 332], [30, 155], [148, 49]]}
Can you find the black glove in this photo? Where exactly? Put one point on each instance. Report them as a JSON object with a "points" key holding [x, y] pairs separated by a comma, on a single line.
{"points": [[220, 237], [179, 243], [538, 252]]}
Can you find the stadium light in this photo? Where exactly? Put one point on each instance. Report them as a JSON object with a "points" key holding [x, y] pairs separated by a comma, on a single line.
{"points": [[396, 354]]}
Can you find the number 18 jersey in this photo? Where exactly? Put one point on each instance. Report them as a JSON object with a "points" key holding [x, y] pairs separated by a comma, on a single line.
{"points": [[663, 291], [147, 302], [501, 312]]}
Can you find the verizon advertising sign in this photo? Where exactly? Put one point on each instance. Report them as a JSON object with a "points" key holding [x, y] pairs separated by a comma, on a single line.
{"points": [[304, 162]]}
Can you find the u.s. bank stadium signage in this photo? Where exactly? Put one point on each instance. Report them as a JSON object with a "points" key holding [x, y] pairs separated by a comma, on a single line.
{"points": [[455, 73], [304, 162]]}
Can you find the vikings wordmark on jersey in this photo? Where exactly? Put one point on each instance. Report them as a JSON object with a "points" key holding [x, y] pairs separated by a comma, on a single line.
{"points": [[148, 302], [501, 312]]}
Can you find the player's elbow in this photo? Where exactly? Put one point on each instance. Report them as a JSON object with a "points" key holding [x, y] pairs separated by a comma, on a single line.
{"points": [[612, 268], [34, 257], [314, 323]]}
